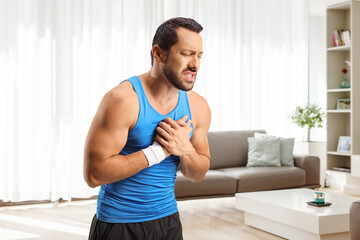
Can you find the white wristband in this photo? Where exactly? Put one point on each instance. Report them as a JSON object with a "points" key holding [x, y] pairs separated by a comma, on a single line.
{"points": [[154, 154]]}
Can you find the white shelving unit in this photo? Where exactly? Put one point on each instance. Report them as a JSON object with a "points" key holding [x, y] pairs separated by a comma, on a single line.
{"points": [[343, 122]]}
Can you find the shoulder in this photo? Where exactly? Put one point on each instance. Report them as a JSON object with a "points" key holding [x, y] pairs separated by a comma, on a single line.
{"points": [[198, 102], [200, 109], [193, 96], [120, 93], [121, 96], [120, 104]]}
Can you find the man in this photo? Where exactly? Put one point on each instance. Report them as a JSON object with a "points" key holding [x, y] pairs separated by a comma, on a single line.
{"points": [[143, 129]]}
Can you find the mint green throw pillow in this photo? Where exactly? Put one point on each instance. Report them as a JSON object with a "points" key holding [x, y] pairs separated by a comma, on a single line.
{"points": [[286, 149], [264, 152]]}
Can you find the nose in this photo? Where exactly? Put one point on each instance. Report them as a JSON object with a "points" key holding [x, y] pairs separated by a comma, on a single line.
{"points": [[195, 63]]}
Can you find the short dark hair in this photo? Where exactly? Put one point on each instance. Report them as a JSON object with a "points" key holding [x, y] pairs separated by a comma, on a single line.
{"points": [[165, 36]]}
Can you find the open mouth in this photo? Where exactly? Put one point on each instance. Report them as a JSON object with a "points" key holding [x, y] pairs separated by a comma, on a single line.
{"points": [[190, 76]]}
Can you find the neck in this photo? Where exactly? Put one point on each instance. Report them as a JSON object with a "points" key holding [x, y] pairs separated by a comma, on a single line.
{"points": [[158, 87]]}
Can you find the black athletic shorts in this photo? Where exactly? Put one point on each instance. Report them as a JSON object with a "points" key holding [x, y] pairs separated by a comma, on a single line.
{"points": [[166, 228]]}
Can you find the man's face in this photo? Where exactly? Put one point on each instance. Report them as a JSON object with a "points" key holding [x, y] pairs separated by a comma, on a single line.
{"points": [[183, 60]]}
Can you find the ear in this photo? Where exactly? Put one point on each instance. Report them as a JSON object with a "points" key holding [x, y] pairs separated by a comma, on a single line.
{"points": [[158, 53]]}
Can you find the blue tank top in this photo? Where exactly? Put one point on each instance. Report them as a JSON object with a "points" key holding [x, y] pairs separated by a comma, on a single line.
{"points": [[149, 194]]}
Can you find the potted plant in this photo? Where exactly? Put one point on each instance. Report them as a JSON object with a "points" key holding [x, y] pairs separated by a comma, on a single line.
{"points": [[309, 116]]}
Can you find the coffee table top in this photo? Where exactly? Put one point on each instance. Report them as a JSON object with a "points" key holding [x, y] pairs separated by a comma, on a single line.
{"points": [[296, 199], [289, 207]]}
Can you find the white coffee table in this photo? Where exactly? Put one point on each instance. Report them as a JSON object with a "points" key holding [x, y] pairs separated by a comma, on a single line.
{"points": [[285, 213]]}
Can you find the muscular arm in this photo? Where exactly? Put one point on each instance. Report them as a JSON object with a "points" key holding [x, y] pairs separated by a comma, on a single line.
{"points": [[107, 136], [194, 165], [195, 154]]}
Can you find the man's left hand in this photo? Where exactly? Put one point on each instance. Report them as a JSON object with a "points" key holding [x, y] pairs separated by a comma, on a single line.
{"points": [[175, 136]]}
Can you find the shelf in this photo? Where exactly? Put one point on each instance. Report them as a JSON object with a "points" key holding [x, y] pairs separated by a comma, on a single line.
{"points": [[335, 90], [339, 48], [342, 169], [339, 153], [339, 111], [339, 171], [343, 16], [340, 6]]}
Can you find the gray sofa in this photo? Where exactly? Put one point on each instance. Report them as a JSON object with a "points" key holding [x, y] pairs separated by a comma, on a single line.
{"points": [[228, 173]]}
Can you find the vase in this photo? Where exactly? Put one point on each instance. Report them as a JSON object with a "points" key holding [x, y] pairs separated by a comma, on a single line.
{"points": [[345, 82]]}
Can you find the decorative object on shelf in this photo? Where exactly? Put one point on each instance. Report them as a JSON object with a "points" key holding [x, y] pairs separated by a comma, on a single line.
{"points": [[341, 37], [344, 144], [309, 116], [343, 104], [348, 63], [327, 182], [345, 82]]}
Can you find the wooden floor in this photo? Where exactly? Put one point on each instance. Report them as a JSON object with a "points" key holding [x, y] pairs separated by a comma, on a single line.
{"points": [[216, 219], [204, 219]]}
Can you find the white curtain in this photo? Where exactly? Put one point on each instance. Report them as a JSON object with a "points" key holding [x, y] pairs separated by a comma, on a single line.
{"points": [[58, 58]]}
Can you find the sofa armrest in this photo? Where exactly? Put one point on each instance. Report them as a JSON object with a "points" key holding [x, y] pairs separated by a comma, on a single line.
{"points": [[355, 220], [311, 165]]}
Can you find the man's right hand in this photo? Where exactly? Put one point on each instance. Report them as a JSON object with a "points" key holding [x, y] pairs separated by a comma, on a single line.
{"points": [[167, 153]]}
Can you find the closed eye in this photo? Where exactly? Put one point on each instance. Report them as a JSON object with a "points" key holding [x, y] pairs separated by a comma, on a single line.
{"points": [[186, 53], [189, 54]]}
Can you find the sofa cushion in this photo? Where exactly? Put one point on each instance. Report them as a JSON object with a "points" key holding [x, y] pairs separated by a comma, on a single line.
{"points": [[267, 178], [229, 148], [286, 149], [215, 183], [264, 152]]}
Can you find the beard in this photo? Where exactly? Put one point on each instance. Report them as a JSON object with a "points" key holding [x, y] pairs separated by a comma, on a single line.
{"points": [[175, 80]]}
